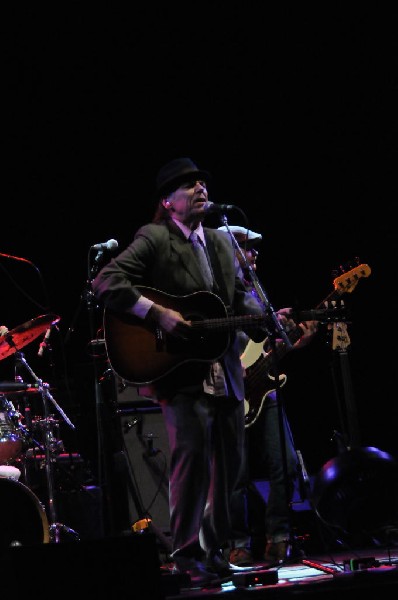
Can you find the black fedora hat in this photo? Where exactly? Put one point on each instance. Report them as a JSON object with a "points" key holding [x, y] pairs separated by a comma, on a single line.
{"points": [[176, 172]]}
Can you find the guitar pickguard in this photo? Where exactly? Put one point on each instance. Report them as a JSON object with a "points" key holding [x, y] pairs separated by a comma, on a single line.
{"points": [[254, 403], [251, 353]]}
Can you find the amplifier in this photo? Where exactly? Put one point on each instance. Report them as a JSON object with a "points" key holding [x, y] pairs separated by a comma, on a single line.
{"points": [[140, 455]]}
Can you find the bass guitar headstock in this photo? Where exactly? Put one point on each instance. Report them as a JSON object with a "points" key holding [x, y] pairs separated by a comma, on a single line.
{"points": [[347, 282]]}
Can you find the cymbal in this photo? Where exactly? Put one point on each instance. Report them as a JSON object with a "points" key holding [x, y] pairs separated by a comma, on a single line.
{"points": [[22, 335]]}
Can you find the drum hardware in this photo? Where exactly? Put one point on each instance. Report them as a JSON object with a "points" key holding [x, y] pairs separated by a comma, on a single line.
{"points": [[45, 429], [48, 426], [12, 433], [48, 447], [18, 386], [13, 437], [35, 457]]}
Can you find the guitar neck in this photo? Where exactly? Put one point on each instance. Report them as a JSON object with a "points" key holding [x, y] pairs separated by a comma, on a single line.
{"points": [[230, 323], [264, 364], [250, 321], [247, 321]]}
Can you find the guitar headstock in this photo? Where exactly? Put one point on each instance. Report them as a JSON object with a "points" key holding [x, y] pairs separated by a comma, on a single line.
{"points": [[347, 282]]}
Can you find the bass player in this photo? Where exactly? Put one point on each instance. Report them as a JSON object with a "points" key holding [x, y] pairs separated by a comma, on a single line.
{"points": [[263, 432]]}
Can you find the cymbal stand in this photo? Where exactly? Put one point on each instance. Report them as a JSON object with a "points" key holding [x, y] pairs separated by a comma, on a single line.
{"points": [[55, 528]]}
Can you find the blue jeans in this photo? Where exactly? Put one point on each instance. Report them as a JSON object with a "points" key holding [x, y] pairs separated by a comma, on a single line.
{"points": [[263, 438]]}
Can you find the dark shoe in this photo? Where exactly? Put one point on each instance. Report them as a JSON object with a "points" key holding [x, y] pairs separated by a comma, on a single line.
{"points": [[276, 551], [198, 576], [282, 552], [217, 563], [241, 557]]}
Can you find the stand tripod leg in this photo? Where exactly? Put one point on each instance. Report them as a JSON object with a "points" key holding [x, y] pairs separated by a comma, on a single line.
{"points": [[56, 529]]}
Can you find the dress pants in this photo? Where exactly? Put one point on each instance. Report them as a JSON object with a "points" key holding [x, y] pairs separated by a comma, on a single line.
{"points": [[206, 438]]}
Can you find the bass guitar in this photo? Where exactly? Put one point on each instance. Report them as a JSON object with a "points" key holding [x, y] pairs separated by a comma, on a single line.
{"points": [[257, 359]]}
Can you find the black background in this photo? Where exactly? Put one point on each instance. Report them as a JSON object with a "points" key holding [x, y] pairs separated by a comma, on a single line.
{"points": [[292, 110]]}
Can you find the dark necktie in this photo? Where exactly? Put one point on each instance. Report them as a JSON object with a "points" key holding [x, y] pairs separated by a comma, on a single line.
{"points": [[202, 260]]}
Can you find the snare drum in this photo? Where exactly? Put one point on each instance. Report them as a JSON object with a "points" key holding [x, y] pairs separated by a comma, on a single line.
{"points": [[23, 520], [11, 440]]}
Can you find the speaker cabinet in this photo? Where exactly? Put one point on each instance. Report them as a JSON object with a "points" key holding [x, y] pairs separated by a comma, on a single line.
{"points": [[143, 455], [147, 454]]}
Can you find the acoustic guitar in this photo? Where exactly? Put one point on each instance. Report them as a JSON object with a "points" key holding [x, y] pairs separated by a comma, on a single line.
{"points": [[141, 353]]}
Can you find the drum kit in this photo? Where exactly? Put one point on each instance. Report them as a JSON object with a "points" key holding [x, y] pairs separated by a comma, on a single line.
{"points": [[24, 519]]}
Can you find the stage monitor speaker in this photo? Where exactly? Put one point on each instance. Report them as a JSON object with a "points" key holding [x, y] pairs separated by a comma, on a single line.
{"points": [[146, 450], [357, 493]]}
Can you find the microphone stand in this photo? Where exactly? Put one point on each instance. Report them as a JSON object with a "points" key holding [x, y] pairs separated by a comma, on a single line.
{"points": [[102, 468], [275, 332], [277, 329], [87, 298]]}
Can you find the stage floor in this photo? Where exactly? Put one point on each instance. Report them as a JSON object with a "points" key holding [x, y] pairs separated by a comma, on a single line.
{"points": [[132, 566], [340, 575]]}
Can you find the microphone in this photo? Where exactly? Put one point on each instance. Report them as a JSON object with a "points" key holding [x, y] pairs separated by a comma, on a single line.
{"points": [[44, 343], [211, 207], [109, 245]]}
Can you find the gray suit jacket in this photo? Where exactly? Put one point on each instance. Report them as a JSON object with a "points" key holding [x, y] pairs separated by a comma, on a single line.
{"points": [[161, 258]]}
